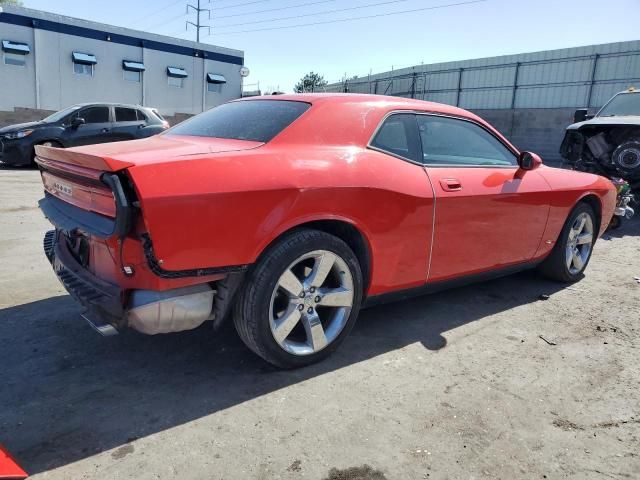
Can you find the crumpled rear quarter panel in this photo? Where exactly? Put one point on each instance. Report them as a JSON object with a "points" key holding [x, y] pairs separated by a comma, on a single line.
{"points": [[225, 210]]}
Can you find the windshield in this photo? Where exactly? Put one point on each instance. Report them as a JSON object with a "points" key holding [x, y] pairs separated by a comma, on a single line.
{"points": [[255, 120], [622, 104], [56, 117]]}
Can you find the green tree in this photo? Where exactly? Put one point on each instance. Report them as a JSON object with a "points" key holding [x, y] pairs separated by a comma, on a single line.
{"points": [[311, 82], [11, 2]]}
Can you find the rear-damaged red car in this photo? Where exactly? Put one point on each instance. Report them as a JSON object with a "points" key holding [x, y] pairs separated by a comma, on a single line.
{"points": [[293, 212]]}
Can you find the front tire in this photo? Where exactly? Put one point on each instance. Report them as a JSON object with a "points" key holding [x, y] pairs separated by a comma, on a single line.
{"points": [[301, 299], [572, 252]]}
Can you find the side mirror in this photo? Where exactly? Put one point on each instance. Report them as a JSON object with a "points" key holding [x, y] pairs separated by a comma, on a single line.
{"points": [[77, 122], [580, 115], [529, 161]]}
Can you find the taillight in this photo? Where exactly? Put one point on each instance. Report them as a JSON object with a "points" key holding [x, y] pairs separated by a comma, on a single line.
{"points": [[91, 197]]}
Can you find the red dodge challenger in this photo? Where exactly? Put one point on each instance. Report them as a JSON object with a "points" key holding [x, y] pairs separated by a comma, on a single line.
{"points": [[292, 212]]}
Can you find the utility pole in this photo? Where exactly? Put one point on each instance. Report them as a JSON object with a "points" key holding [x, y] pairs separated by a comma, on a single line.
{"points": [[197, 24]]}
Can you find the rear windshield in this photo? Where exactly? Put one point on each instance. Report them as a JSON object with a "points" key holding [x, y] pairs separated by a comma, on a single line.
{"points": [[255, 120]]}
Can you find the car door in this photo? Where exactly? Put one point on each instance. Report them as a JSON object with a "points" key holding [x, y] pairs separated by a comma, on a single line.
{"points": [[128, 123], [95, 129], [489, 213]]}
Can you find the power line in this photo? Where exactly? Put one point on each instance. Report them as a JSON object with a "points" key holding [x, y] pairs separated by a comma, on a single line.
{"points": [[388, 2], [146, 17], [355, 18], [243, 4], [162, 24], [275, 9]]}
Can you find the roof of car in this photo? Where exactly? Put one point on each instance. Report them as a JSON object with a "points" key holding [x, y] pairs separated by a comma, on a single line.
{"points": [[109, 104], [381, 101]]}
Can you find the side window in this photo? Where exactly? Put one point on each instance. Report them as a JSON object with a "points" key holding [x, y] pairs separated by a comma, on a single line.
{"points": [[448, 141], [95, 114], [396, 136], [141, 116], [126, 115]]}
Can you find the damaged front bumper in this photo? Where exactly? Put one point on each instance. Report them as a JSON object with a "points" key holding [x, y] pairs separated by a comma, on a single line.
{"points": [[110, 309]]}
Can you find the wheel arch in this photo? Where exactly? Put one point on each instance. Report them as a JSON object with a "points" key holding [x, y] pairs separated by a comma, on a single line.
{"points": [[594, 202], [346, 231], [47, 139], [40, 142]]}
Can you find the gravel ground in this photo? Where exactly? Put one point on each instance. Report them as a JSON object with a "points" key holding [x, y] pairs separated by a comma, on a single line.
{"points": [[454, 385]]}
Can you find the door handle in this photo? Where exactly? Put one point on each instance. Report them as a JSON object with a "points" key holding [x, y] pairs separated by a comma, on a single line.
{"points": [[104, 130], [450, 184]]}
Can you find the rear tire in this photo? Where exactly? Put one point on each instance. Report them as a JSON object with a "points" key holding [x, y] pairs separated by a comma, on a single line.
{"points": [[572, 251], [300, 300]]}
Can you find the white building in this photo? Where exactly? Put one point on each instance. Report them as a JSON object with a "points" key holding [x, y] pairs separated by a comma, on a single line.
{"points": [[51, 61]]}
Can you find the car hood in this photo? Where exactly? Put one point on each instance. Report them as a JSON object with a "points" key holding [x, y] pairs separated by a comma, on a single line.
{"points": [[19, 126], [601, 121]]}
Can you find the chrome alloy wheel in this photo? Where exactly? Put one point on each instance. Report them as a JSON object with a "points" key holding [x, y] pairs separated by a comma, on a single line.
{"points": [[579, 243], [311, 302]]}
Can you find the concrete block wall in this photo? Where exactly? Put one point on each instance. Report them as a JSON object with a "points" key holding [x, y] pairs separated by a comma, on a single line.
{"points": [[539, 130], [22, 115]]}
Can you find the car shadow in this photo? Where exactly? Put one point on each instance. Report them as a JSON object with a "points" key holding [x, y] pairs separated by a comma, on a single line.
{"points": [[68, 393]]}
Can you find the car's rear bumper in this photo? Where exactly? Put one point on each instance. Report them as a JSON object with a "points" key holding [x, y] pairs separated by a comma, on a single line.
{"points": [[104, 302], [15, 153], [110, 308]]}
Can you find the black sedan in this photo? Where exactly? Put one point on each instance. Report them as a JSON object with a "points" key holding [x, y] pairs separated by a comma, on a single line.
{"points": [[83, 124]]}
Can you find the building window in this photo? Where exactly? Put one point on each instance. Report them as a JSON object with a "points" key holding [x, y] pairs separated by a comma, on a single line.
{"points": [[131, 76], [15, 53], [82, 69], [132, 70], [176, 76], [214, 87], [14, 59], [175, 82], [83, 63], [215, 82]]}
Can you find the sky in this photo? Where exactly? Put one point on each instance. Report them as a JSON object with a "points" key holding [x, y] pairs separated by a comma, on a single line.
{"points": [[338, 44]]}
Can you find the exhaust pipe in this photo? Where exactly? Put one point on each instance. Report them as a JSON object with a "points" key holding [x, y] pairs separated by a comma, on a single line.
{"points": [[103, 328]]}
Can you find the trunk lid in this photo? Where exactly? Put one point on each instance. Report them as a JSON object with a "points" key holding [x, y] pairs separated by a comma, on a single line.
{"points": [[83, 189], [116, 156], [113, 157]]}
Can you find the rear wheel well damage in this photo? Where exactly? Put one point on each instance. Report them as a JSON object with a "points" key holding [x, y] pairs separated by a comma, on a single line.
{"points": [[228, 287]]}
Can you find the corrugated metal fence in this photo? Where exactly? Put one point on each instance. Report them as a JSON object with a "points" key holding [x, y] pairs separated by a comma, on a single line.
{"points": [[572, 77]]}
